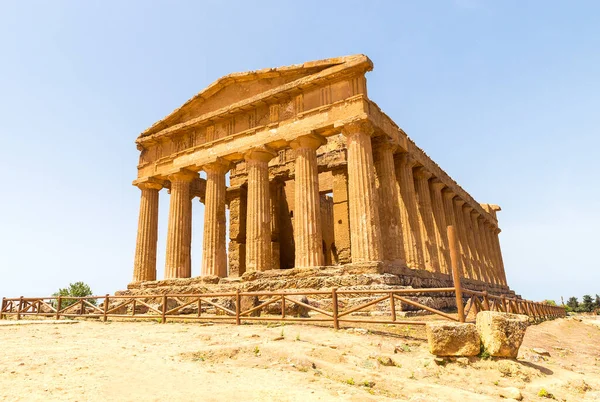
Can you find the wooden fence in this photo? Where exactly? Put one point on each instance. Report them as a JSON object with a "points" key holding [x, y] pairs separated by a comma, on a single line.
{"points": [[325, 305]]}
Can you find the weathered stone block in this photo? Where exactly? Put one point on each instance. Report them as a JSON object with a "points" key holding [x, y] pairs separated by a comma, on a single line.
{"points": [[291, 308], [249, 302], [452, 339], [501, 333]]}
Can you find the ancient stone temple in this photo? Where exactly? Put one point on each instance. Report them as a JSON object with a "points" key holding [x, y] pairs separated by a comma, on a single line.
{"points": [[319, 176]]}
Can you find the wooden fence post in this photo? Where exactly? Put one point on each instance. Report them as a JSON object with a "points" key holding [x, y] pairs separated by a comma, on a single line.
{"points": [[105, 308], [455, 263], [164, 309], [238, 307], [282, 307], [58, 304], [20, 308], [393, 306], [334, 306]]}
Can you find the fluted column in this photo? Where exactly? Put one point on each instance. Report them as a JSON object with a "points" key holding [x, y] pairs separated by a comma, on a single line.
{"points": [[463, 239], [487, 252], [214, 254], [144, 266], [490, 250], [408, 211], [389, 201], [479, 247], [179, 233], [307, 203], [426, 220], [276, 190], [258, 221], [466, 210], [496, 245], [439, 221], [448, 199], [365, 231]]}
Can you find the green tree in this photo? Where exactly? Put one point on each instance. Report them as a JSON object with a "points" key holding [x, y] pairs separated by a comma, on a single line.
{"points": [[587, 304], [77, 289], [549, 302], [572, 304], [597, 302]]}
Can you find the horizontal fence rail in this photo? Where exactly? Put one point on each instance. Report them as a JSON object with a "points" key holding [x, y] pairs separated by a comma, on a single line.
{"points": [[333, 306], [326, 306]]}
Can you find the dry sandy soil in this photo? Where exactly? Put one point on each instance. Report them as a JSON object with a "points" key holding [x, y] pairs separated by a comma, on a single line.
{"points": [[147, 361]]}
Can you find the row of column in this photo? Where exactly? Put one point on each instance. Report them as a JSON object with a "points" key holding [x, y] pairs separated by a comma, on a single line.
{"points": [[415, 209], [307, 234], [397, 211]]}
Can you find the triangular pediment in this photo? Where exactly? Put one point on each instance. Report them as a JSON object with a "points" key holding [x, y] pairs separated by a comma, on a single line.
{"points": [[237, 87]]}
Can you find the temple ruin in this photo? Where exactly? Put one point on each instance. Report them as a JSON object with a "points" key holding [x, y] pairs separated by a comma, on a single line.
{"points": [[319, 177]]}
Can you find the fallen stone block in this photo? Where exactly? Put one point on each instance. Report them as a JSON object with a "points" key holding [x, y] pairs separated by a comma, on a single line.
{"points": [[452, 339], [501, 333], [511, 393]]}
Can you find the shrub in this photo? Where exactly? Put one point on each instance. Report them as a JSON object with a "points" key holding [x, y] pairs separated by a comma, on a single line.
{"points": [[77, 289]]}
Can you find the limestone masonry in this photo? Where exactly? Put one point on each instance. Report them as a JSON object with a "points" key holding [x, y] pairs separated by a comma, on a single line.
{"points": [[319, 176]]}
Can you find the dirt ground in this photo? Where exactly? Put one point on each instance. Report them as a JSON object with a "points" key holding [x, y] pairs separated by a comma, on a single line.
{"points": [[148, 361]]}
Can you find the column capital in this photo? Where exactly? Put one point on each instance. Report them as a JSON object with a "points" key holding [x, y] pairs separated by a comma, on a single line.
{"points": [[381, 143], [466, 207], [150, 184], [459, 201], [405, 159], [475, 213], [491, 226], [220, 165], [448, 193], [422, 173], [358, 127], [261, 154], [312, 141], [437, 184], [183, 175]]}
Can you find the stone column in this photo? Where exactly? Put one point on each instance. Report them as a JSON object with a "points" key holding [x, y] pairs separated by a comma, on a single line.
{"points": [[144, 266], [179, 233], [258, 221], [489, 262], [389, 201], [214, 254], [341, 219], [408, 211], [237, 231], [440, 224], [463, 239], [426, 220], [448, 199], [496, 245], [479, 247], [276, 189], [466, 209], [307, 203], [365, 231]]}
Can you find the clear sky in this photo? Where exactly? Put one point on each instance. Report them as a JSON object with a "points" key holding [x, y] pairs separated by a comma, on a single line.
{"points": [[504, 95]]}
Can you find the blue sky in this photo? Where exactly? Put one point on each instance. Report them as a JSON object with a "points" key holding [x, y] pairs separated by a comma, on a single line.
{"points": [[505, 96]]}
